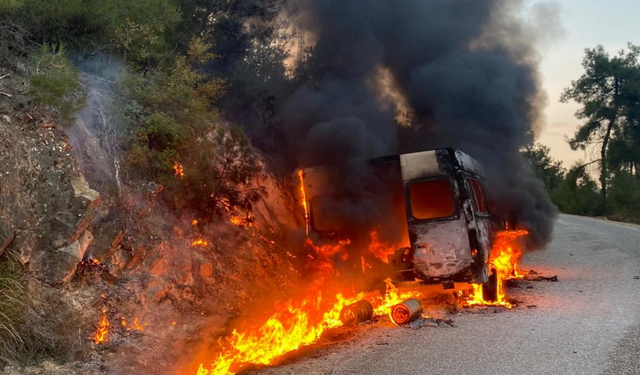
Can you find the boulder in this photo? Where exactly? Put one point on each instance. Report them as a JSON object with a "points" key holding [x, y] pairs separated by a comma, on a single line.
{"points": [[58, 266]]}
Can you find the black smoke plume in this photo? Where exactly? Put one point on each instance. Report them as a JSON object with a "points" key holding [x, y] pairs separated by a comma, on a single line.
{"points": [[467, 68]]}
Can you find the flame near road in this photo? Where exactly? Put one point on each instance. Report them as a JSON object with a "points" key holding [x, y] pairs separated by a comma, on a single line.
{"points": [[297, 323], [505, 255]]}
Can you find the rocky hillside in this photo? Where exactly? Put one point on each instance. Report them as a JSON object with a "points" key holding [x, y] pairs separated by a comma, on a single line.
{"points": [[117, 250]]}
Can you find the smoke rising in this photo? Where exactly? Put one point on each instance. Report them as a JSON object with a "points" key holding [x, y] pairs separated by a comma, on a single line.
{"points": [[468, 70]]}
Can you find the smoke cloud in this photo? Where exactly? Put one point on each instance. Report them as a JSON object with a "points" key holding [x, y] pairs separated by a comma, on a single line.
{"points": [[467, 69]]}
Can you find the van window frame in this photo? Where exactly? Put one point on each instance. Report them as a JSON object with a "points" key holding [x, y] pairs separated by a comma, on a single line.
{"points": [[312, 220], [469, 179], [452, 187]]}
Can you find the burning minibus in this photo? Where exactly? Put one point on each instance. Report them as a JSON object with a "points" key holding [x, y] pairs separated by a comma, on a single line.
{"points": [[437, 208]]}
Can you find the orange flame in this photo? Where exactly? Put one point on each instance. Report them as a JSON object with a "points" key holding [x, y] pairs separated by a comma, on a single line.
{"points": [[241, 221], [303, 195], [178, 170], [200, 242], [103, 329], [391, 298], [295, 324], [379, 249], [505, 254], [136, 325]]}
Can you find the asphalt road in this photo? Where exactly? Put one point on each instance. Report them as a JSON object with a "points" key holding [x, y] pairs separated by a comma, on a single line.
{"points": [[587, 323]]}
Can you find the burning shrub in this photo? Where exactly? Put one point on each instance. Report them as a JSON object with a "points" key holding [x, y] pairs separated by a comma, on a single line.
{"points": [[174, 138], [221, 175], [165, 111]]}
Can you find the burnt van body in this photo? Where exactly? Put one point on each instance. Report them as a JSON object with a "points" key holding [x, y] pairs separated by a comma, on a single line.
{"points": [[441, 207]]}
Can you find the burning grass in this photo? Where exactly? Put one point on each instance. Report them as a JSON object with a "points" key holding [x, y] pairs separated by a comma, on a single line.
{"points": [[178, 170], [103, 332], [103, 329]]}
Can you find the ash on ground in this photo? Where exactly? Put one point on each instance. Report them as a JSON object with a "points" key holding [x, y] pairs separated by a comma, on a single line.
{"points": [[424, 322]]}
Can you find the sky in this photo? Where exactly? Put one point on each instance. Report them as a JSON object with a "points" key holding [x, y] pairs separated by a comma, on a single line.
{"points": [[585, 24]]}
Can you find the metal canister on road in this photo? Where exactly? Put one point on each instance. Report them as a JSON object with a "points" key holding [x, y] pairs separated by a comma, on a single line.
{"points": [[355, 313], [406, 311]]}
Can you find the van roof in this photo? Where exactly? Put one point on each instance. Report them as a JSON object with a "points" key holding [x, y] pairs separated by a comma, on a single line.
{"points": [[431, 162], [441, 159]]}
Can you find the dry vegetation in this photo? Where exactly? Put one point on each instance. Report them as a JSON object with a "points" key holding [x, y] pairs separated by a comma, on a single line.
{"points": [[35, 323]]}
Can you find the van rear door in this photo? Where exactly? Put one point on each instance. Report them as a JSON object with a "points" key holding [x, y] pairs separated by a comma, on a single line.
{"points": [[438, 230]]}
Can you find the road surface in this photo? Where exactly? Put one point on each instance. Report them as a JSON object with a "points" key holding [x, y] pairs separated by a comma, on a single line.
{"points": [[587, 323]]}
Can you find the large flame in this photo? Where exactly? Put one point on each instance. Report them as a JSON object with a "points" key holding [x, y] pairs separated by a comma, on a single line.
{"points": [[381, 249], [295, 324], [299, 322], [505, 254]]}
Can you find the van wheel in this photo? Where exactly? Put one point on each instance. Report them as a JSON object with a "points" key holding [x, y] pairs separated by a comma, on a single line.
{"points": [[490, 288]]}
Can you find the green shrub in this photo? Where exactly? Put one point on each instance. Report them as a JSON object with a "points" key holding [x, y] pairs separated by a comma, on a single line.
{"points": [[169, 118], [624, 195], [6, 5], [107, 26], [578, 194], [55, 82]]}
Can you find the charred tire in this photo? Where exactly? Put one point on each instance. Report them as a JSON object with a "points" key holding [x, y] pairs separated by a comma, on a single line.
{"points": [[490, 288]]}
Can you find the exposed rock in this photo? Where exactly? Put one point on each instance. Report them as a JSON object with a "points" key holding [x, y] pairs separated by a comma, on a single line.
{"points": [[121, 258], [43, 199], [206, 270], [109, 231], [93, 138], [156, 290], [83, 206], [56, 267], [113, 271], [81, 189]]}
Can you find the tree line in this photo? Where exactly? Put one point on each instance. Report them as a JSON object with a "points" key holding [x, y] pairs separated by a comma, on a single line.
{"points": [[182, 76], [180, 68], [609, 96]]}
